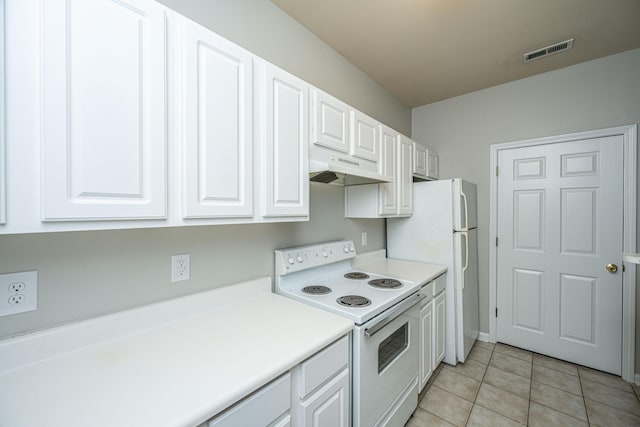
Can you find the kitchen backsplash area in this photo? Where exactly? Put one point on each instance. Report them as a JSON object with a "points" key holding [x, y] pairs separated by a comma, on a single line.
{"points": [[87, 274]]}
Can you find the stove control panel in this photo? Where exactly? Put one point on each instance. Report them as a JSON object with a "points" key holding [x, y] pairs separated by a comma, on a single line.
{"points": [[304, 257]]}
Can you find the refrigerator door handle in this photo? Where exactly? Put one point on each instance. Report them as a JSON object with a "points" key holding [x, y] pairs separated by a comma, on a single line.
{"points": [[466, 254], [466, 211]]}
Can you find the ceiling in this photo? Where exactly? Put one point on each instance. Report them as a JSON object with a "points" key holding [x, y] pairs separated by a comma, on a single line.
{"points": [[424, 51]]}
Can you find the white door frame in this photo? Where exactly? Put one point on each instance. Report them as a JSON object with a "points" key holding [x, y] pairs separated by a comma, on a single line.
{"points": [[629, 135]]}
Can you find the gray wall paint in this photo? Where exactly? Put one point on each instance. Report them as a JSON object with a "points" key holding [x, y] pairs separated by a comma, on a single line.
{"points": [[264, 29], [85, 274], [592, 95]]}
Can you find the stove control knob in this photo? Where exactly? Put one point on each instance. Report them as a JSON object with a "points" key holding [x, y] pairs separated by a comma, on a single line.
{"points": [[300, 259], [351, 249], [346, 249], [291, 260], [325, 254]]}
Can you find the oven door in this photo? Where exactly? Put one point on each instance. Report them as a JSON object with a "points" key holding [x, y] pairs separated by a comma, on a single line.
{"points": [[385, 363]]}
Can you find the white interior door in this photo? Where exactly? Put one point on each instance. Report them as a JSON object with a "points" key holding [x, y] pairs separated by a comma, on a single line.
{"points": [[560, 223]]}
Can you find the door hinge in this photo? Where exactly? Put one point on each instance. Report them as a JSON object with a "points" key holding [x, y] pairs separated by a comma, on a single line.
{"points": [[496, 241], [623, 268], [496, 311], [496, 170]]}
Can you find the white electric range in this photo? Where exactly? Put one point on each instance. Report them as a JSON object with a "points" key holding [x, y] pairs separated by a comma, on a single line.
{"points": [[385, 312]]}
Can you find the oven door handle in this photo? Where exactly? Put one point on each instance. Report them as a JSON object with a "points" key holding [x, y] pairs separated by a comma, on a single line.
{"points": [[393, 314]]}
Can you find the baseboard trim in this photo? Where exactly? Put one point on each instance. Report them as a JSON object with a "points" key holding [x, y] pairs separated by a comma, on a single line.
{"points": [[483, 336]]}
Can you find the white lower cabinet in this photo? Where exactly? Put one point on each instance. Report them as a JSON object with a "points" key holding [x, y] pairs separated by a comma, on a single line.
{"points": [[432, 328], [426, 347], [268, 406], [315, 393], [321, 388], [438, 327]]}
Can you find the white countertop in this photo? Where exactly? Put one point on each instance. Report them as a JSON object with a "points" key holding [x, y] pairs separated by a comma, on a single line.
{"points": [[376, 262], [176, 363]]}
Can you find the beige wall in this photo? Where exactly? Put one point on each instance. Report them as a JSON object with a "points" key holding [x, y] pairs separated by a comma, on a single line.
{"points": [[592, 95], [85, 274]]}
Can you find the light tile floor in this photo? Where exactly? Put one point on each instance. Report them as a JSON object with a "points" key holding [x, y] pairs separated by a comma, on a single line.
{"points": [[501, 385]]}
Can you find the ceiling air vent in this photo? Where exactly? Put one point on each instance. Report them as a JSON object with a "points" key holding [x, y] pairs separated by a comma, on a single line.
{"points": [[549, 50]]}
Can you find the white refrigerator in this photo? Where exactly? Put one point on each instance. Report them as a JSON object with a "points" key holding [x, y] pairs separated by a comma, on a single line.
{"points": [[443, 230]]}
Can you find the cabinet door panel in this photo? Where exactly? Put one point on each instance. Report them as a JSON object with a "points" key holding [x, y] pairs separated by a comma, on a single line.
{"points": [[426, 352], [432, 164], [419, 160], [365, 137], [330, 126], [438, 329], [330, 406], [218, 140], [389, 194], [285, 159], [404, 176], [3, 191], [104, 112]]}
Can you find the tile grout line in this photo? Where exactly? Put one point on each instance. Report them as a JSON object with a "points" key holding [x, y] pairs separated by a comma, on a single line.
{"points": [[584, 399], [481, 382]]}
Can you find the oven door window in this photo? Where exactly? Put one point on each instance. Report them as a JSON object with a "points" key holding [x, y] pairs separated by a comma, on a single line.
{"points": [[393, 346]]}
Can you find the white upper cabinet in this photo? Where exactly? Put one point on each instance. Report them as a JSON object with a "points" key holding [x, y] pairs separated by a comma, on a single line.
{"points": [[388, 191], [3, 188], [215, 83], [342, 138], [404, 181], [282, 107], [432, 164], [391, 199], [104, 90], [425, 162], [365, 136], [330, 124], [419, 160]]}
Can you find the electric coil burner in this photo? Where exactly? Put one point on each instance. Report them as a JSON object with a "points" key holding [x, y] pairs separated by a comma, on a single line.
{"points": [[356, 275], [354, 301], [385, 283], [316, 290]]}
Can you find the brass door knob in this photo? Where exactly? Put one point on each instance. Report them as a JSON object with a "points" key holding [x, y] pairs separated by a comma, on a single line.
{"points": [[612, 268]]}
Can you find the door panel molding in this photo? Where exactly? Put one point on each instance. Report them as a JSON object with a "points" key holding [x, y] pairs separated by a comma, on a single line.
{"points": [[629, 136]]}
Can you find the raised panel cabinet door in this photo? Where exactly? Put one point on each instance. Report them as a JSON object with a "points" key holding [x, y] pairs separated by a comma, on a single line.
{"points": [[404, 179], [217, 139], [432, 164], [438, 329], [330, 122], [419, 160], [426, 352], [284, 143], [329, 407], [103, 109], [365, 137], [3, 179], [388, 191]]}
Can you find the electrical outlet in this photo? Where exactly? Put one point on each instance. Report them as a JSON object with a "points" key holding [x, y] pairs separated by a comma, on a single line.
{"points": [[18, 292], [364, 238], [180, 267]]}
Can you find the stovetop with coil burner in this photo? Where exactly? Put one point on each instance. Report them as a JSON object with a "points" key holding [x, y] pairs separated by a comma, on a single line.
{"points": [[324, 278]]}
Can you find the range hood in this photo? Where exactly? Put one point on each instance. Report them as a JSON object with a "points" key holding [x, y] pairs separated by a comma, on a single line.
{"points": [[338, 174]]}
